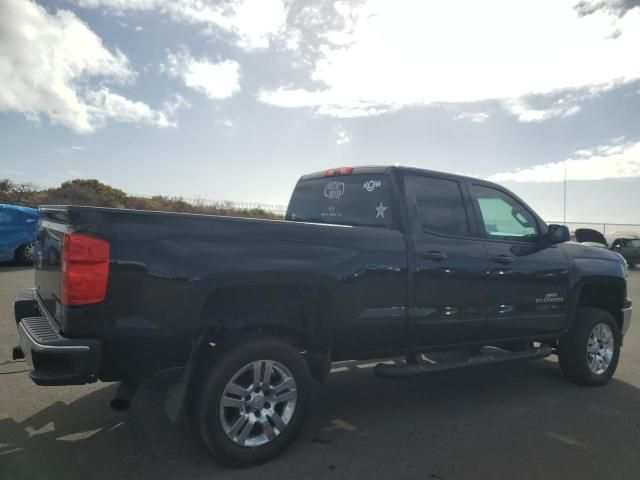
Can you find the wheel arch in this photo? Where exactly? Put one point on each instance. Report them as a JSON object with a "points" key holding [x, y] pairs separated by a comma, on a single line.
{"points": [[606, 293], [298, 314]]}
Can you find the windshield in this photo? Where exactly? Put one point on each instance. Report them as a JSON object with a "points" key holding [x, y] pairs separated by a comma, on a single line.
{"points": [[358, 200]]}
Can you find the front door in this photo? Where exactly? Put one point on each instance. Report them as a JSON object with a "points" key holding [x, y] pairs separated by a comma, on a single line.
{"points": [[447, 285], [527, 282]]}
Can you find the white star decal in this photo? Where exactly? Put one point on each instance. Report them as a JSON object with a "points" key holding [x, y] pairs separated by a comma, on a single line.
{"points": [[380, 210]]}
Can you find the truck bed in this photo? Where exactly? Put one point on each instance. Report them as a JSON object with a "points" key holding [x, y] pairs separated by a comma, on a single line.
{"points": [[173, 274]]}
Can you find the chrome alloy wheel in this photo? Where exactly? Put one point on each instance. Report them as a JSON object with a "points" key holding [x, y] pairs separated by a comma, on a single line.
{"points": [[30, 251], [258, 403], [600, 348]]}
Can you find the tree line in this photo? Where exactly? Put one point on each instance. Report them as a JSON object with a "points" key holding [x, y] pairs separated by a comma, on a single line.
{"points": [[97, 194]]}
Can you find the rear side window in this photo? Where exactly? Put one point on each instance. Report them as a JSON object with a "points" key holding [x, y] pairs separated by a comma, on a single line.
{"points": [[439, 203], [359, 200]]}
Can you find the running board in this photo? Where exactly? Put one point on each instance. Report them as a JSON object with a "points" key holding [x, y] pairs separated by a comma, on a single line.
{"points": [[487, 356]]}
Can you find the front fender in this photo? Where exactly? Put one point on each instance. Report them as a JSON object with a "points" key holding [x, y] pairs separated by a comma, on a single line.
{"points": [[597, 269]]}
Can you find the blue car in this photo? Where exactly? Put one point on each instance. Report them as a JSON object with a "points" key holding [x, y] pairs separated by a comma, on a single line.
{"points": [[17, 233]]}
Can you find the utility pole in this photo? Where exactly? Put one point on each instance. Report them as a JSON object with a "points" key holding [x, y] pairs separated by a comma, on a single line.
{"points": [[564, 215]]}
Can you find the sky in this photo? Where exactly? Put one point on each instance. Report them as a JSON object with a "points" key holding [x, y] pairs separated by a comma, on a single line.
{"points": [[236, 99]]}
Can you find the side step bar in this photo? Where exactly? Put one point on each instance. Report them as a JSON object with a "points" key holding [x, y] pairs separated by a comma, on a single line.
{"points": [[487, 356]]}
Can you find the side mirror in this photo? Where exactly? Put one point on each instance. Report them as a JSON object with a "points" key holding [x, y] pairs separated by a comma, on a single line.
{"points": [[556, 234]]}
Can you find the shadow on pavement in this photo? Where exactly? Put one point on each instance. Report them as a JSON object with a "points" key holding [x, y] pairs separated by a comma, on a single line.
{"points": [[518, 421]]}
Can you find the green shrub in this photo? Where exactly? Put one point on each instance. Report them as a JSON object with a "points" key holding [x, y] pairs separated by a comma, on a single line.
{"points": [[97, 194]]}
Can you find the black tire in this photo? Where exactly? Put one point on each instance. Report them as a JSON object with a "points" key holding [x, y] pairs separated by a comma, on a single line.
{"points": [[572, 349], [26, 254], [207, 416]]}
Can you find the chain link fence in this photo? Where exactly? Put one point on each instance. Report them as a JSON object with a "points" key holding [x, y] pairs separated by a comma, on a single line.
{"points": [[607, 229], [274, 208]]}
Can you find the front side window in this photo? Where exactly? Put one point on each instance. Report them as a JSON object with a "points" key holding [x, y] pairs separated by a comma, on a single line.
{"points": [[439, 203], [504, 217]]}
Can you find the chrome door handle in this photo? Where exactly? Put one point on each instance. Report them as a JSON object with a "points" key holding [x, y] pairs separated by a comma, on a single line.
{"points": [[433, 255]]}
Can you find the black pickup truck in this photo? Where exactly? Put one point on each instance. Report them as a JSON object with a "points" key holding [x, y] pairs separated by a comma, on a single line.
{"points": [[432, 270]]}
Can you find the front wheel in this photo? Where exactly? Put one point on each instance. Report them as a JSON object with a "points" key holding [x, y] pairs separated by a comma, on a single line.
{"points": [[589, 353], [253, 402]]}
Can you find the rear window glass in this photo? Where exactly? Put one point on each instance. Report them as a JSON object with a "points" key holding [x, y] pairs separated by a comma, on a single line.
{"points": [[360, 200]]}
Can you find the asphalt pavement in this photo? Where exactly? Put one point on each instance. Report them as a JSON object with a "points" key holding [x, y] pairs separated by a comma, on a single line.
{"points": [[521, 421]]}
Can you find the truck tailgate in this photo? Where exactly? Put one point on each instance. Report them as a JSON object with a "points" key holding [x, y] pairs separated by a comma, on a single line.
{"points": [[51, 229]]}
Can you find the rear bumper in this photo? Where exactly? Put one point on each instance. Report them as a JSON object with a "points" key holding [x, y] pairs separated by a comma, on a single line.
{"points": [[626, 316], [53, 358]]}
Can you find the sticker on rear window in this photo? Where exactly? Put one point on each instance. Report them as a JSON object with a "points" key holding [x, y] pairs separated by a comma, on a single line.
{"points": [[331, 213], [371, 185], [380, 210], [334, 190]]}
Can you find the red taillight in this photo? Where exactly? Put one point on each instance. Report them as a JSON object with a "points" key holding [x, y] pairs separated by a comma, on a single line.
{"points": [[338, 171], [85, 269]]}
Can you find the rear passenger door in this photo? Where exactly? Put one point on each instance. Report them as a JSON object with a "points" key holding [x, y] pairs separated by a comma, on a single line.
{"points": [[527, 281], [447, 288]]}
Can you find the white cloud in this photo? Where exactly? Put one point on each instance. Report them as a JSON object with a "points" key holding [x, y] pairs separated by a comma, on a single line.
{"points": [[252, 23], [617, 159], [226, 126], [526, 113], [174, 103], [614, 7], [105, 105], [390, 55], [475, 117], [46, 61], [563, 104], [216, 80], [72, 148], [342, 136]]}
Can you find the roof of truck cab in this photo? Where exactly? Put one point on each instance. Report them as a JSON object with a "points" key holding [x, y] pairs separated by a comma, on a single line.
{"points": [[381, 169], [369, 169]]}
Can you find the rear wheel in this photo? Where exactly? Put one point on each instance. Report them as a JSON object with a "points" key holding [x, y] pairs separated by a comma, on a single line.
{"points": [[253, 402], [26, 254], [590, 351]]}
